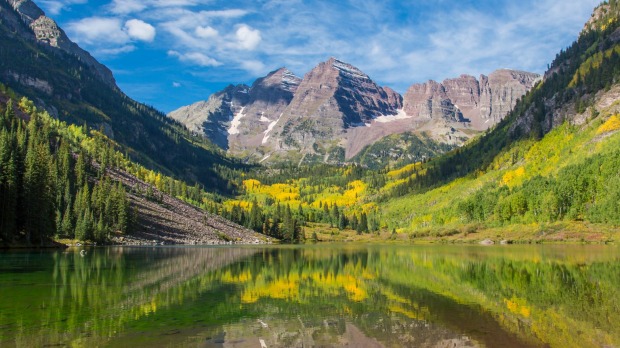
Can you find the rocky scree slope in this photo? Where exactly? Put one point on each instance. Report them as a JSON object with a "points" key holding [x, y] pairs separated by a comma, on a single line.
{"points": [[163, 219]]}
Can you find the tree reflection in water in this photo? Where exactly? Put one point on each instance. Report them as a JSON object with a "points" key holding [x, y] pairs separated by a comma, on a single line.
{"points": [[324, 295]]}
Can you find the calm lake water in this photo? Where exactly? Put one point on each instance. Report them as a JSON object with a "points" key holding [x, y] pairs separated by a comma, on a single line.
{"points": [[312, 296]]}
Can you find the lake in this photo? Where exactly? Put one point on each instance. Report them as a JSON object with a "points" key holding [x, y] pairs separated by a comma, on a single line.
{"points": [[312, 296]]}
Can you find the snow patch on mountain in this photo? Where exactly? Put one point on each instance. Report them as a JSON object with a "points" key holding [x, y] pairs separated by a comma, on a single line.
{"points": [[236, 122], [290, 81], [263, 118], [401, 115], [269, 128], [349, 69]]}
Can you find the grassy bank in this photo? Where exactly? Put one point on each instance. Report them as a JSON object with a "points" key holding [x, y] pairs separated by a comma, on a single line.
{"points": [[558, 232]]}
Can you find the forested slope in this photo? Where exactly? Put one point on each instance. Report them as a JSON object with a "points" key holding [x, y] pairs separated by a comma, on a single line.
{"points": [[60, 181]]}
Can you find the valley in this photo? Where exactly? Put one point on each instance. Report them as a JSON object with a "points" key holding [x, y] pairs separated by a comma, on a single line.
{"points": [[319, 210], [331, 156]]}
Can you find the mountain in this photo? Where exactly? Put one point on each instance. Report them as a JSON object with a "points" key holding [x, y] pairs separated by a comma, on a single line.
{"points": [[482, 103], [337, 111], [71, 85], [237, 118]]}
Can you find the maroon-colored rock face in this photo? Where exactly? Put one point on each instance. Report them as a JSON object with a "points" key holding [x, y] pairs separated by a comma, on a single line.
{"points": [[339, 90], [332, 98], [499, 93], [429, 101], [464, 99], [337, 106]]}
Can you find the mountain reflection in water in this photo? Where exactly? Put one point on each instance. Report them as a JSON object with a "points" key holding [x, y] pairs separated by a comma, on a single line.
{"points": [[321, 295]]}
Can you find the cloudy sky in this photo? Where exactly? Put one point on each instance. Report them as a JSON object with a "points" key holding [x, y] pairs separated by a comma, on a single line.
{"points": [[169, 53]]}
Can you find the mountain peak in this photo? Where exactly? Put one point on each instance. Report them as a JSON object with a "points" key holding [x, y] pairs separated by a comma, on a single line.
{"points": [[27, 9], [346, 69], [281, 78], [602, 16], [40, 28]]}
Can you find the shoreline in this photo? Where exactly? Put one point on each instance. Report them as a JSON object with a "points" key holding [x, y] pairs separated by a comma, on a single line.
{"points": [[567, 232]]}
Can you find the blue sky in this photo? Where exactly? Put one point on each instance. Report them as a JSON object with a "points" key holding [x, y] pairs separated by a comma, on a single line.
{"points": [[170, 53]]}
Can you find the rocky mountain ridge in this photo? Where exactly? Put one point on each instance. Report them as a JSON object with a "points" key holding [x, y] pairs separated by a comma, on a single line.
{"points": [[45, 31], [336, 110]]}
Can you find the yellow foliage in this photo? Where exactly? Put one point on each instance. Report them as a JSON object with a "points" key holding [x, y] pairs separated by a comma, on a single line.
{"points": [[279, 192], [509, 178], [27, 106], [609, 22], [242, 278], [419, 314], [390, 185], [283, 288], [243, 204], [612, 124], [251, 185], [355, 190], [518, 306], [146, 309], [394, 297], [369, 207], [298, 287], [398, 172]]}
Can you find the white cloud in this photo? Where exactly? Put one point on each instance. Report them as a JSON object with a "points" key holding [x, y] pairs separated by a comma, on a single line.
{"points": [[206, 32], [253, 66], [116, 50], [247, 38], [98, 31], [54, 7], [395, 45], [140, 30], [134, 6], [233, 13], [176, 84], [127, 6], [195, 58], [108, 35]]}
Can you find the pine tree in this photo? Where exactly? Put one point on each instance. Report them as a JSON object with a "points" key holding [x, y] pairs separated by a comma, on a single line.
{"points": [[67, 228], [80, 171], [122, 210], [9, 114], [266, 228], [8, 187], [354, 222], [342, 222], [39, 204], [100, 230], [256, 218], [335, 214], [363, 224]]}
